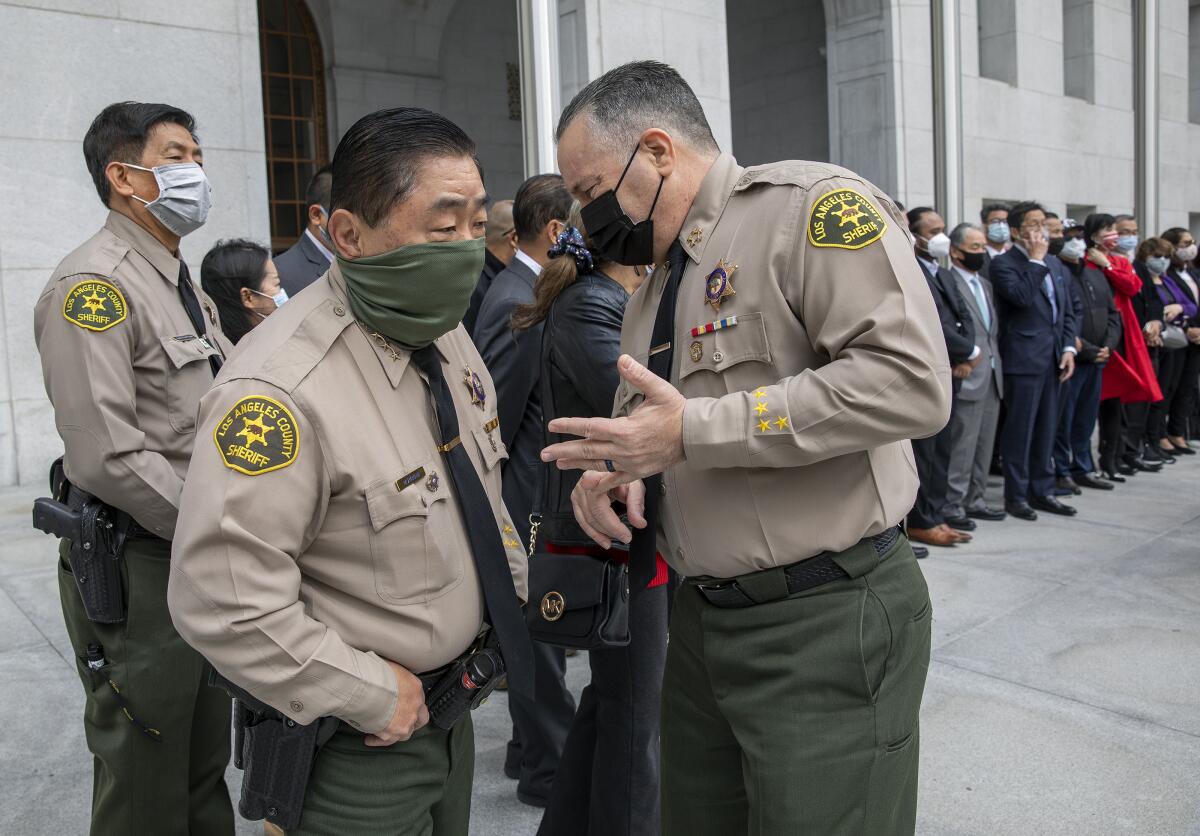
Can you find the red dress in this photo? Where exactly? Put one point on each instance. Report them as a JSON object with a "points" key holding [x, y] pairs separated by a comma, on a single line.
{"points": [[1128, 375]]}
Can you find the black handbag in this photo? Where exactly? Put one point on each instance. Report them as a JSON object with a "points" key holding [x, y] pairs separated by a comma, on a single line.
{"points": [[575, 600]]}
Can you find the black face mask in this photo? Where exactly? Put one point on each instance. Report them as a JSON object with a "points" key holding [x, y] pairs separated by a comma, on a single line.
{"points": [[973, 261], [613, 233], [1056, 245]]}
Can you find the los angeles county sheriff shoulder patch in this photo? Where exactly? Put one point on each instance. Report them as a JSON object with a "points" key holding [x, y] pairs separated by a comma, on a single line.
{"points": [[257, 436], [95, 305], [844, 219]]}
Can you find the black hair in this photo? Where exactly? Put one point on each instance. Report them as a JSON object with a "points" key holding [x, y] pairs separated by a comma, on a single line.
{"points": [[1095, 222], [119, 132], [634, 97], [1018, 211], [375, 165], [228, 267], [540, 199], [319, 188], [1175, 234], [914, 216], [989, 208], [1054, 215]]}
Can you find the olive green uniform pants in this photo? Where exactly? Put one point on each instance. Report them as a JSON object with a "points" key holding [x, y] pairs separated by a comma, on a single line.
{"points": [[418, 787], [799, 716], [160, 736]]}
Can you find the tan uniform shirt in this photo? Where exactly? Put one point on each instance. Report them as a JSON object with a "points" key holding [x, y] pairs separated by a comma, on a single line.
{"points": [[319, 533], [125, 369], [797, 417]]}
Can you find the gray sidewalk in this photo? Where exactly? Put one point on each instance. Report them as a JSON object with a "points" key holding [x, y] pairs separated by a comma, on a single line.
{"points": [[1064, 695]]}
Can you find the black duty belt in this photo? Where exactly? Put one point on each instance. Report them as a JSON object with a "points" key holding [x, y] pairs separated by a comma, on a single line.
{"points": [[782, 581], [76, 497]]}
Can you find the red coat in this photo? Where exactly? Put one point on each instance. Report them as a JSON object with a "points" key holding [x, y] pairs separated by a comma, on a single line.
{"points": [[1128, 375]]}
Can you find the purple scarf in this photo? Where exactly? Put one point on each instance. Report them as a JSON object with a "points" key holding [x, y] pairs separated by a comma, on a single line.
{"points": [[1180, 298]]}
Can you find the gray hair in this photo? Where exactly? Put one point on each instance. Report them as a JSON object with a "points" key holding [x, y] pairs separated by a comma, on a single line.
{"points": [[959, 233], [628, 100]]}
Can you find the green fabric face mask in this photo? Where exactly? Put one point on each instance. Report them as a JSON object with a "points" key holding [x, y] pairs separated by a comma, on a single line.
{"points": [[414, 294]]}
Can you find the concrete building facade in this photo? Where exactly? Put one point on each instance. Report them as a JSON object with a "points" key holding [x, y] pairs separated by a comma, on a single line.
{"points": [[1083, 104]]}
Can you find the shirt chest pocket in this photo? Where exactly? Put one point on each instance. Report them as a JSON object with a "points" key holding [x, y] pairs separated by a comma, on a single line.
{"points": [[189, 376], [724, 350], [414, 547]]}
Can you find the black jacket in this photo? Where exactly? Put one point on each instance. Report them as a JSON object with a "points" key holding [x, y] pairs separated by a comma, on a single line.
{"points": [[580, 347], [958, 326], [492, 267], [512, 359], [1100, 321], [1147, 305]]}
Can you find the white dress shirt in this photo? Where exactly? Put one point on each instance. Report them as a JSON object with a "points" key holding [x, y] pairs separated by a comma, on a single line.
{"points": [[324, 250], [528, 261]]}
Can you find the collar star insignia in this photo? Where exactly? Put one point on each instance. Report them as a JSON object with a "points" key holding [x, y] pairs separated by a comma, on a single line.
{"points": [[695, 236], [719, 284], [475, 386]]}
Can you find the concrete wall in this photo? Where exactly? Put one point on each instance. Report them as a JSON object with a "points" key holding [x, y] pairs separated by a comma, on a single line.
{"points": [[60, 67], [1179, 138], [687, 34], [777, 80], [449, 56], [1029, 139]]}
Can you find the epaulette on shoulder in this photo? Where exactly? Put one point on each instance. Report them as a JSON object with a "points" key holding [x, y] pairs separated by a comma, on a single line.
{"points": [[803, 173], [283, 358], [100, 256]]}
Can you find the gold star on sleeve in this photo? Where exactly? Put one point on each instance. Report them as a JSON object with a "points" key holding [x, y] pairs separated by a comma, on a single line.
{"points": [[760, 408], [781, 421], [763, 426], [760, 394]]}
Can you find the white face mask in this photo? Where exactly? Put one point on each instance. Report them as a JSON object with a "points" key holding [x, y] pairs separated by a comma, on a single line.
{"points": [[938, 246], [184, 196], [1187, 253], [1074, 248], [279, 298]]}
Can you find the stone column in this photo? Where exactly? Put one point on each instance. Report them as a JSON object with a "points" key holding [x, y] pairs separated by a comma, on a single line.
{"points": [[1145, 118], [537, 25]]}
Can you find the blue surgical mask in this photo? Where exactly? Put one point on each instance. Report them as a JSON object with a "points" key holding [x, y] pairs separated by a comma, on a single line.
{"points": [[1127, 243], [1158, 265], [325, 229], [279, 298], [998, 232], [184, 196]]}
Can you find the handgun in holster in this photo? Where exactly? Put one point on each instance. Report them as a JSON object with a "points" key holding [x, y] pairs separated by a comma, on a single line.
{"points": [[275, 752], [467, 682], [96, 533]]}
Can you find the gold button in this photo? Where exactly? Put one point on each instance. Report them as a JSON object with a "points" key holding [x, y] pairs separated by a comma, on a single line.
{"points": [[296, 706], [339, 310], [718, 357]]}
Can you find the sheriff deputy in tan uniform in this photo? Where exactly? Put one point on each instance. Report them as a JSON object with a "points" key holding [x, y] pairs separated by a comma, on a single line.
{"points": [[802, 349], [128, 345], [344, 504]]}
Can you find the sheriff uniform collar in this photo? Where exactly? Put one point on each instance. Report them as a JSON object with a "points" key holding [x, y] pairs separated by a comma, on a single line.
{"points": [[144, 244]]}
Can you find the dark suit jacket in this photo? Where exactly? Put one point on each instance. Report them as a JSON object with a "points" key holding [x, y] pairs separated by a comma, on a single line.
{"points": [[491, 267], [1031, 338], [958, 325], [1147, 305], [301, 265], [1099, 322], [514, 361]]}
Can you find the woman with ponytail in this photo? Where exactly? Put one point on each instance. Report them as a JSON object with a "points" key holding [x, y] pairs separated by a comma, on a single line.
{"points": [[607, 780]]}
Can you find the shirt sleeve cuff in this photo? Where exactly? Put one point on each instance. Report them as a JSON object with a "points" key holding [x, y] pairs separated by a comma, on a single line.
{"points": [[1070, 350], [711, 437], [371, 706], [974, 353]]}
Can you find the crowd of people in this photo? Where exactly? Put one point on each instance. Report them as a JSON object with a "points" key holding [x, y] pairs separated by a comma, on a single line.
{"points": [[317, 471], [1059, 331]]}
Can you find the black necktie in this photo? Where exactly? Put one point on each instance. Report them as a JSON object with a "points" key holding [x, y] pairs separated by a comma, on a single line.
{"points": [[644, 547], [491, 562], [187, 295]]}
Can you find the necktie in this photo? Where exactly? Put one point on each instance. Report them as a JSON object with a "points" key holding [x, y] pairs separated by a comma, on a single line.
{"points": [[981, 300], [187, 295], [500, 600], [645, 540], [1048, 289]]}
